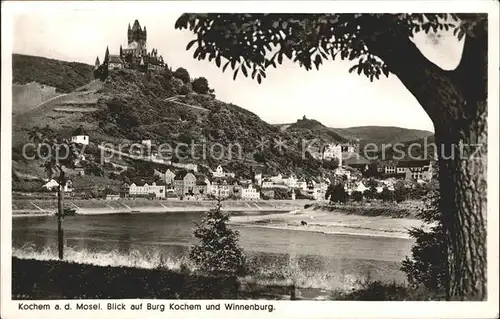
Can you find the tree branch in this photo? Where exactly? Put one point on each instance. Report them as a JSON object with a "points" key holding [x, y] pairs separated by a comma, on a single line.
{"points": [[471, 75]]}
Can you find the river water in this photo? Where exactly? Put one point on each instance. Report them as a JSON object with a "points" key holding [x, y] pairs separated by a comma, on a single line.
{"points": [[170, 235]]}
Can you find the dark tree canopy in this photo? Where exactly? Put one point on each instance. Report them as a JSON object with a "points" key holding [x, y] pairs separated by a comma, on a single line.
{"points": [[254, 42], [379, 44], [200, 85], [182, 74]]}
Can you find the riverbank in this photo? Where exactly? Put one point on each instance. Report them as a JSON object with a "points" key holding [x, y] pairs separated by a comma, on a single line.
{"points": [[92, 207], [332, 222]]}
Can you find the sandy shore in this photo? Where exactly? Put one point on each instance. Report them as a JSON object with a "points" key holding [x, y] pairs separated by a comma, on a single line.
{"points": [[331, 223]]}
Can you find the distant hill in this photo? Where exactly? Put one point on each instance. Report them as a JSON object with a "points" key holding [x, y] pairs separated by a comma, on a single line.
{"points": [[64, 76], [312, 129], [382, 134]]}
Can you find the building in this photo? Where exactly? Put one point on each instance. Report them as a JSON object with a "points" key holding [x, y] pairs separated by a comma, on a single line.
{"points": [[53, 186], [219, 172], [333, 151], [290, 181], [258, 179], [147, 190], [135, 54], [115, 62], [79, 136], [124, 190], [112, 197], [301, 184], [167, 177], [267, 183], [220, 187], [391, 169], [185, 183], [202, 185], [249, 192], [277, 179]]}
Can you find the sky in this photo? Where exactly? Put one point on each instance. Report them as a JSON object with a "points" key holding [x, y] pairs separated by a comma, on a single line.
{"points": [[330, 95]]}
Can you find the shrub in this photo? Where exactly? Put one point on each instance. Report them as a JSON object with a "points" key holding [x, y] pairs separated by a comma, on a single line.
{"points": [[185, 89], [386, 195], [200, 85], [428, 265], [183, 75], [336, 193], [357, 196], [218, 253]]}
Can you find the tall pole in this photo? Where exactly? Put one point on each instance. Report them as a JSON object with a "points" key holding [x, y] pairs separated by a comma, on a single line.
{"points": [[60, 217]]}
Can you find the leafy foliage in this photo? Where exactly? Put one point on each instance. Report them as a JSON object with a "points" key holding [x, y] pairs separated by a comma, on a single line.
{"points": [[428, 264], [200, 85], [251, 43], [218, 253], [336, 193], [183, 75], [64, 76]]}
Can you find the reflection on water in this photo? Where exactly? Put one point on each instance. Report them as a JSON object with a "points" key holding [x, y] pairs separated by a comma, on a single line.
{"points": [[171, 235]]}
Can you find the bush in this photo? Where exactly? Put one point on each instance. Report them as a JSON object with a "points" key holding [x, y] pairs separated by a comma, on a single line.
{"points": [[357, 196], [183, 75], [218, 253], [200, 85], [428, 265], [185, 89], [386, 195], [336, 193]]}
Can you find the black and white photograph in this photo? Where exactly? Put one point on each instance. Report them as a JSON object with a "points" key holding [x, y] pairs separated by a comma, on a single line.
{"points": [[215, 158]]}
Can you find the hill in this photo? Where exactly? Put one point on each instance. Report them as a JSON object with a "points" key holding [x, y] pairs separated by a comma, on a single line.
{"points": [[382, 134], [130, 106], [311, 129], [62, 75]]}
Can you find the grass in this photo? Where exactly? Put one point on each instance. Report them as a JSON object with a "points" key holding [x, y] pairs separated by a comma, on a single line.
{"points": [[101, 275]]}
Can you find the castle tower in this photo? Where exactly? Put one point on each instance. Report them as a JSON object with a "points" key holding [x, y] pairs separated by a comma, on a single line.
{"points": [[129, 34], [106, 55], [97, 63]]}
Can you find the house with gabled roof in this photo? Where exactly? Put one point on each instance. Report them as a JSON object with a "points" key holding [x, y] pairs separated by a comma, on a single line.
{"points": [[79, 136]]}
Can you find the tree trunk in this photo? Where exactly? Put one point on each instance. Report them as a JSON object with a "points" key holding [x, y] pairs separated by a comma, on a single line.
{"points": [[462, 177], [456, 103], [60, 216]]}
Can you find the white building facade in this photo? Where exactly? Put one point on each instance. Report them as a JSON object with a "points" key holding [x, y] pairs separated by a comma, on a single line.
{"points": [[250, 192], [146, 189]]}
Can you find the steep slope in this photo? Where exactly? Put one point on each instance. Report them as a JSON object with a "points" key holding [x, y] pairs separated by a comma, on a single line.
{"points": [[130, 106], [64, 76]]}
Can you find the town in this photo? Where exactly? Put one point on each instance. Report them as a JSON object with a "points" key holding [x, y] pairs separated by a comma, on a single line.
{"points": [[185, 182]]}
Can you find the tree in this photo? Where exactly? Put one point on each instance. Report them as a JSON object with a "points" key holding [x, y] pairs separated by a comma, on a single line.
{"points": [[428, 265], [336, 193], [386, 195], [58, 156], [454, 100], [183, 75], [357, 196], [218, 253], [200, 85], [331, 164]]}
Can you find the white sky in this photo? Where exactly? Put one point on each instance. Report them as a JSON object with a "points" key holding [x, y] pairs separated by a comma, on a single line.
{"points": [[330, 95]]}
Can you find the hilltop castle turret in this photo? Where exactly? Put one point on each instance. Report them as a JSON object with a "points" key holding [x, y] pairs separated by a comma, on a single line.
{"points": [[135, 54]]}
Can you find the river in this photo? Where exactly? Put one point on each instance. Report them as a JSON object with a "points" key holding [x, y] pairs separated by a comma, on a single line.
{"points": [[125, 236]]}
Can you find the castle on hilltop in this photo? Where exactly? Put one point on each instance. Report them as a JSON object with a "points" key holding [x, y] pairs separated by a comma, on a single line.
{"points": [[135, 55]]}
